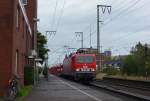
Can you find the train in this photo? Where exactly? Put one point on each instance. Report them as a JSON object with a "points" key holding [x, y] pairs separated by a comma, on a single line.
{"points": [[56, 70], [80, 66]]}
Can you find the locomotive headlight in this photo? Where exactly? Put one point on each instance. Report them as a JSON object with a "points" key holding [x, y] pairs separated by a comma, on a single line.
{"points": [[77, 69], [93, 70]]}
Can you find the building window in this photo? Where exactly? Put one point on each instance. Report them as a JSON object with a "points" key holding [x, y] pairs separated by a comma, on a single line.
{"points": [[18, 18], [25, 2], [16, 62]]}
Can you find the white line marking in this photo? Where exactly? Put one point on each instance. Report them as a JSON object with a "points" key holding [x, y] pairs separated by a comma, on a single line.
{"points": [[93, 97]]}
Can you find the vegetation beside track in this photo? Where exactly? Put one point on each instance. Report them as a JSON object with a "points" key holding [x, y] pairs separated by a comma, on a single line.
{"points": [[24, 92], [135, 66], [100, 75]]}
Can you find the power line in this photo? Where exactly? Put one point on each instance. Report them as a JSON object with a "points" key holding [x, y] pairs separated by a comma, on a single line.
{"points": [[134, 9], [122, 12], [125, 36], [54, 14], [61, 14], [129, 12], [93, 21], [54, 51], [80, 34], [85, 29], [93, 34], [90, 24], [119, 8]]}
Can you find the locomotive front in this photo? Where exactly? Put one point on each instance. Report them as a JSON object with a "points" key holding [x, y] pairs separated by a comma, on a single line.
{"points": [[85, 67]]}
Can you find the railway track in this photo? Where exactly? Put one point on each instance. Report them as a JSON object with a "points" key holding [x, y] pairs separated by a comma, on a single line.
{"points": [[132, 88]]}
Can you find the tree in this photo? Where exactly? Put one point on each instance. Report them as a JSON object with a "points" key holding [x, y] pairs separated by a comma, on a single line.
{"points": [[138, 62], [41, 42], [129, 66]]}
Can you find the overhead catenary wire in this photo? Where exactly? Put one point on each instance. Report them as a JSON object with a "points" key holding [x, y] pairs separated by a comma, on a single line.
{"points": [[131, 33], [116, 9], [54, 14], [95, 30], [122, 12], [54, 51], [121, 38], [94, 21], [133, 10], [85, 29], [104, 25], [129, 45], [61, 15]]}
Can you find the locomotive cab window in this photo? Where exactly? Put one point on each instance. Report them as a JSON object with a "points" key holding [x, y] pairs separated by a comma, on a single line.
{"points": [[85, 59]]}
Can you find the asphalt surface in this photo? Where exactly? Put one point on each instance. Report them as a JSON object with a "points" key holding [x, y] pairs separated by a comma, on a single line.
{"points": [[58, 89]]}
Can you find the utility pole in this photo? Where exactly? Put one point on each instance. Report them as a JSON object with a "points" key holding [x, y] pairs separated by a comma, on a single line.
{"points": [[90, 36], [50, 33], [67, 49], [104, 8], [101, 57], [146, 64], [80, 34], [46, 55]]}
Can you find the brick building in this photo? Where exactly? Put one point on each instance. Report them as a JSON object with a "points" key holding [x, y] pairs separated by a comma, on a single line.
{"points": [[16, 38]]}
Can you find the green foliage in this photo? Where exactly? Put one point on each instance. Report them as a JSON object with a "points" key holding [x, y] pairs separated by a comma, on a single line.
{"points": [[129, 66], [138, 63], [24, 91], [111, 70], [28, 75], [41, 42]]}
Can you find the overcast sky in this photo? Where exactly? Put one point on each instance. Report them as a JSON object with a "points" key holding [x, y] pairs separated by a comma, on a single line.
{"points": [[128, 23]]}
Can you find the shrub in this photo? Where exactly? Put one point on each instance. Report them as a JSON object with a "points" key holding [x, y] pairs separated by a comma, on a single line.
{"points": [[111, 71]]}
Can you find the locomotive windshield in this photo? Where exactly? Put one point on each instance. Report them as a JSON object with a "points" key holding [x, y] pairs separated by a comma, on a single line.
{"points": [[85, 59]]}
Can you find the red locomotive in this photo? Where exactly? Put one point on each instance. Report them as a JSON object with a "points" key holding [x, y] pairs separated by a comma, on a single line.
{"points": [[80, 66]]}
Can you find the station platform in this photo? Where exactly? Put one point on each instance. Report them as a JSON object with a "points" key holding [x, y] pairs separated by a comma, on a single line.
{"points": [[58, 89]]}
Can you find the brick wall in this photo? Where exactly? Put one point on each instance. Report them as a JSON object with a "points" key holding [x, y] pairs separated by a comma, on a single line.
{"points": [[13, 40], [5, 42]]}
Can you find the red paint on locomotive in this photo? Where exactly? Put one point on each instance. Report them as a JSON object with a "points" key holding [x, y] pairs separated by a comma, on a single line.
{"points": [[80, 66]]}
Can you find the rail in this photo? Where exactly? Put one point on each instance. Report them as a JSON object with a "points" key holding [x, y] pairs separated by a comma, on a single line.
{"points": [[133, 88]]}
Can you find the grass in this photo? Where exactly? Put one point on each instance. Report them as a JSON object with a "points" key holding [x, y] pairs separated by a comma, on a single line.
{"points": [[99, 76], [130, 77], [1, 99], [24, 92]]}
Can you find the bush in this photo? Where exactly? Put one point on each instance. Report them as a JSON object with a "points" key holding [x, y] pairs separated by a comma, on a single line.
{"points": [[28, 75], [24, 91], [111, 71]]}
